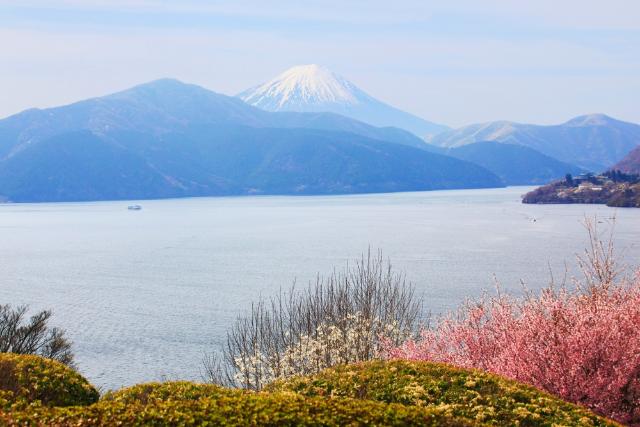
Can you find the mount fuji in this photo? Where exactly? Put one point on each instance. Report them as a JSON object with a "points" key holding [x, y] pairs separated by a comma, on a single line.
{"points": [[313, 88]]}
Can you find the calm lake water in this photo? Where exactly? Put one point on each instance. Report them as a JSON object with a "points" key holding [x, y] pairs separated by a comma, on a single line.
{"points": [[144, 294]]}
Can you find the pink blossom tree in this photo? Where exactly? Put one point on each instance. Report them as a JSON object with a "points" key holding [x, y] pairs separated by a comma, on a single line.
{"points": [[581, 343]]}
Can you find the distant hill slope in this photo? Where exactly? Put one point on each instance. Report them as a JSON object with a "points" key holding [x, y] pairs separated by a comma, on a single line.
{"points": [[595, 142], [213, 160], [168, 105], [312, 88], [630, 163], [169, 139], [514, 164]]}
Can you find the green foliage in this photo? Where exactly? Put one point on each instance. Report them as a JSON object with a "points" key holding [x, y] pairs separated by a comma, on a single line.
{"points": [[196, 404], [160, 392], [468, 394], [31, 381], [373, 393]]}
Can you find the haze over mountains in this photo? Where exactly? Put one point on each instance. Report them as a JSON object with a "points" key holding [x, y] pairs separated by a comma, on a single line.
{"points": [[168, 105], [170, 139], [313, 88], [591, 142], [630, 163], [594, 142], [514, 164]]}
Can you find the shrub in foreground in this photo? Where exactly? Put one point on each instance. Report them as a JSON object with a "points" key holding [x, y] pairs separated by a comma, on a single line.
{"points": [[160, 392], [473, 395], [188, 404], [581, 344], [28, 381], [373, 393]]}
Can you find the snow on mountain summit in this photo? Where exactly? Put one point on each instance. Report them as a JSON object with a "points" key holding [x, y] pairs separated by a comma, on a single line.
{"points": [[314, 88], [302, 85]]}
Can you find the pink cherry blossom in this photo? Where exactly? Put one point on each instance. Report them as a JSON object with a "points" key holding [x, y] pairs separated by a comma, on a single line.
{"points": [[581, 343]]}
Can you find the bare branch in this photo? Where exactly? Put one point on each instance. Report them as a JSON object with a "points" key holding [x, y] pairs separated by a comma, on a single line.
{"points": [[340, 318], [34, 336]]}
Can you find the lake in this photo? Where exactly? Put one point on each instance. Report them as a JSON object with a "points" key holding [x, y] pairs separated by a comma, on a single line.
{"points": [[144, 294]]}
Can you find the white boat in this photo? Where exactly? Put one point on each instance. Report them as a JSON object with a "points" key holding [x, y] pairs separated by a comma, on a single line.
{"points": [[134, 207]]}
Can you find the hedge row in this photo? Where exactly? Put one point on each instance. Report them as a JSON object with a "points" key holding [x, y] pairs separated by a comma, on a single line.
{"points": [[35, 391], [224, 407], [463, 393]]}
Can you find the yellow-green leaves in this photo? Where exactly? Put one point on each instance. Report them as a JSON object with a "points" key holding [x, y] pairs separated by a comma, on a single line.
{"points": [[27, 380]]}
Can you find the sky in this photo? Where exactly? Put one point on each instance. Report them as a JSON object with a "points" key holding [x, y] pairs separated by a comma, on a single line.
{"points": [[454, 62]]}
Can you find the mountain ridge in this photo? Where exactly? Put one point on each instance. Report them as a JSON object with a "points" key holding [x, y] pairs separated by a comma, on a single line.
{"points": [[630, 163], [162, 105], [313, 88], [169, 139], [593, 141], [514, 164]]}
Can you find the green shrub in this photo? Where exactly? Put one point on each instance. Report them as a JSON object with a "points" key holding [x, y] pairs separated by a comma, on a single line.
{"points": [[187, 404], [27, 380], [469, 394], [160, 392], [373, 393]]}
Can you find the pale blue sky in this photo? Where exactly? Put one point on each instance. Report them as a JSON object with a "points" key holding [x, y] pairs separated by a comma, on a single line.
{"points": [[454, 62]]}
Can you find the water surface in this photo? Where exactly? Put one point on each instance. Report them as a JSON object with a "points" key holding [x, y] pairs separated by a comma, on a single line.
{"points": [[143, 294]]}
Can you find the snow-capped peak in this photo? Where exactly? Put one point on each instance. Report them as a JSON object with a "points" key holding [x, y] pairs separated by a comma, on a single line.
{"points": [[303, 84], [313, 88]]}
